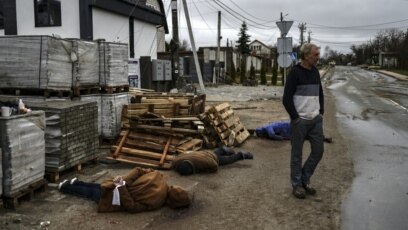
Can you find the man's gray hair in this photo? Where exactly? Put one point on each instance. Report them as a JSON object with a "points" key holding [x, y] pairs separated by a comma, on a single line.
{"points": [[306, 49]]}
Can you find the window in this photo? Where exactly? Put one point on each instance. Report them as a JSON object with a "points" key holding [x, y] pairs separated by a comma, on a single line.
{"points": [[47, 13]]}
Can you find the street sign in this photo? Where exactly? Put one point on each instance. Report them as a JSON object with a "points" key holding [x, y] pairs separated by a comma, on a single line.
{"points": [[293, 56], [284, 26], [285, 45], [284, 60]]}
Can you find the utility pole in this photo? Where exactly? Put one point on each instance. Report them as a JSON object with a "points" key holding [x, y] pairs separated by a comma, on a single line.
{"points": [[174, 44], [308, 37], [190, 33], [216, 75], [302, 27]]}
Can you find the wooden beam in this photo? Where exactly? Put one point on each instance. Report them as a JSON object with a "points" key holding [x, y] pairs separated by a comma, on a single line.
{"points": [[144, 153], [166, 148], [119, 147]]}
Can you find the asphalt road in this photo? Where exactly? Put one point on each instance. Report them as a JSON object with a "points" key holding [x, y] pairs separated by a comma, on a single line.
{"points": [[372, 111]]}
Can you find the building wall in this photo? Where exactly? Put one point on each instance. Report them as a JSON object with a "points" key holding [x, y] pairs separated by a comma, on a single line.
{"points": [[111, 27], [69, 20], [145, 39]]}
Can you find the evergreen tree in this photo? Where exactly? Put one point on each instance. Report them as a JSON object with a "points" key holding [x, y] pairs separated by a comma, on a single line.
{"points": [[243, 49], [263, 73], [275, 72]]}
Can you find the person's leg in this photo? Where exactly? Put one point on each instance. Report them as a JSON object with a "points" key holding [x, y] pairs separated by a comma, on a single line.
{"points": [[87, 190], [316, 139], [225, 160], [299, 131]]}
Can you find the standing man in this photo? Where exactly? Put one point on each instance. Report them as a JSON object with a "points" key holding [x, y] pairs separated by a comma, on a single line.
{"points": [[303, 100]]}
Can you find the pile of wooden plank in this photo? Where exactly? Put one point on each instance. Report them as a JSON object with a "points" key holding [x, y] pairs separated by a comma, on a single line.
{"points": [[221, 121], [151, 150], [153, 140]]}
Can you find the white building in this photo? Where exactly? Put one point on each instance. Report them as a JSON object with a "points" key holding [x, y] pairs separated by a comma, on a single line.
{"points": [[139, 23]]}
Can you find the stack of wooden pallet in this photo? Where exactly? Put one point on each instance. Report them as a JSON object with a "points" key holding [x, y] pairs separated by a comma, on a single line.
{"points": [[153, 141], [221, 121]]}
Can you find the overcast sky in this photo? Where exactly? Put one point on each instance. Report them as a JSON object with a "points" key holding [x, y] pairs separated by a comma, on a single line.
{"points": [[334, 23]]}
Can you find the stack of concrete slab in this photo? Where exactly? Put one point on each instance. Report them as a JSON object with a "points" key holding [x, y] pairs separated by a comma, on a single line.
{"points": [[86, 64], [109, 112], [71, 134], [23, 151], [1, 174], [35, 62], [113, 59]]}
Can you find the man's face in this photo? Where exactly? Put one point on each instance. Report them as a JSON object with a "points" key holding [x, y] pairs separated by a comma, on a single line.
{"points": [[313, 57]]}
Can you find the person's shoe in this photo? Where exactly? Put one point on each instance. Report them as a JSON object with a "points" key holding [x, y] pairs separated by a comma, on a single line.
{"points": [[62, 184], [246, 155], [299, 192], [73, 180], [309, 189]]}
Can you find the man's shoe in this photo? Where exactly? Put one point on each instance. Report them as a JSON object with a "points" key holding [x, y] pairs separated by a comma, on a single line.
{"points": [[73, 180], [309, 189], [246, 155], [62, 184], [299, 192]]}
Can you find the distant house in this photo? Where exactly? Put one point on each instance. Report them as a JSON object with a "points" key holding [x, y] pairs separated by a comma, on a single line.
{"points": [[139, 23], [260, 49], [388, 60]]}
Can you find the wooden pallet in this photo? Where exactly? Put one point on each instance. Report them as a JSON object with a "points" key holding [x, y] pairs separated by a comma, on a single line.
{"points": [[55, 176], [149, 150], [78, 91], [220, 119], [11, 202], [114, 89], [37, 92]]}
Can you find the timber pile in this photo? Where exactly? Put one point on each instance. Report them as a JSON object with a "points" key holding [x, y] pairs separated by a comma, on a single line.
{"points": [[221, 120], [149, 138], [151, 150]]}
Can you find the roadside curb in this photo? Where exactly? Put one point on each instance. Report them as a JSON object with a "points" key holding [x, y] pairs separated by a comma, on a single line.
{"points": [[391, 74]]}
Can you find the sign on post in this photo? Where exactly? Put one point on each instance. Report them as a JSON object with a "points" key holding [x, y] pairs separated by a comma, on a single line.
{"points": [[285, 45], [284, 60], [284, 27]]}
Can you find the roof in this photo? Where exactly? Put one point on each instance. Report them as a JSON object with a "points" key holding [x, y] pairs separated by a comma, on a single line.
{"points": [[260, 43]]}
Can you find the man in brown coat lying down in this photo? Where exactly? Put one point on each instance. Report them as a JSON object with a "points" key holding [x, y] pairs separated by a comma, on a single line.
{"points": [[205, 161], [139, 190]]}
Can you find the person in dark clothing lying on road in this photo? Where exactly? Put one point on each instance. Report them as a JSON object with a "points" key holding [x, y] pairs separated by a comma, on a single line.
{"points": [[280, 130], [206, 161], [139, 190]]}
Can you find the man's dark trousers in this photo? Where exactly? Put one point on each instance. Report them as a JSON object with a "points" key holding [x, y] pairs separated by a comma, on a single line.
{"points": [[302, 130]]}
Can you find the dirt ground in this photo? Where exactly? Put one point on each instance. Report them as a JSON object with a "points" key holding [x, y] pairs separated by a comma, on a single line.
{"points": [[249, 194]]}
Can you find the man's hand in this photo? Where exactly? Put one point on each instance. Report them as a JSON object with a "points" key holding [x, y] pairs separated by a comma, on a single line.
{"points": [[296, 121], [118, 181]]}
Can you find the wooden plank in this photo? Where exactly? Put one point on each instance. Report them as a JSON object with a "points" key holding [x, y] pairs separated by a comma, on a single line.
{"points": [[241, 137], [122, 141], [231, 121], [153, 138], [144, 153], [226, 114], [140, 161], [149, 145], [222, 106], [166, 148], [194, 144], [181, 130]]}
